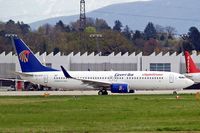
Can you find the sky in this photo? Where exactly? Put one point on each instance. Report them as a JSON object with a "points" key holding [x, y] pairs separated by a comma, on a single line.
{"points": [[30, 11]]}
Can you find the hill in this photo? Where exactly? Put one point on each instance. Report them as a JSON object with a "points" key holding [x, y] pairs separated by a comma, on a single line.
{"points": [[181, 14]]}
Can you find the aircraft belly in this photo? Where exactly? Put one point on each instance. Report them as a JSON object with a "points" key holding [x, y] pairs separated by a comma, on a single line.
{"points": [[149, 85], [67, 85]]}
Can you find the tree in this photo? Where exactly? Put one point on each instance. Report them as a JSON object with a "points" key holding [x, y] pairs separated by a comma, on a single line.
{"points": [[150, 31], [90, 30], [56, 50], [101, 24], [151, 46], [10, 22], [90, 22], [44, 47], [75, 26], [2, 33], [68, 28], [60, 26], [12, 28], [45, 29], [194, 37], [186, 46], [127, 32], [137, 35], [118, 25], [171, 31], [159, 29], [25, 28], [162, 37]]}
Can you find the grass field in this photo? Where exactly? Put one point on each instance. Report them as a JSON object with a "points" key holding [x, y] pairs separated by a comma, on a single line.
{"points": [[91, 114]]}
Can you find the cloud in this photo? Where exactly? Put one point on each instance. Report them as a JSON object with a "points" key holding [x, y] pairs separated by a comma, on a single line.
{"points": [[34, 10]]}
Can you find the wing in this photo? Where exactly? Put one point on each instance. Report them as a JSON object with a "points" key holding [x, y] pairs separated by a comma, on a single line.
{"points": [[93, 83]]}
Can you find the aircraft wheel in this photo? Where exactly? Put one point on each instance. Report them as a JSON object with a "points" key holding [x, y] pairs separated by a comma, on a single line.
{"points": [[103, 92], [100, 92], [132, 91]]}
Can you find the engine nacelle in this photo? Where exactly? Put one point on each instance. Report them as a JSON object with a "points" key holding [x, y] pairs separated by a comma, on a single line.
{"points": [[119, 88]]}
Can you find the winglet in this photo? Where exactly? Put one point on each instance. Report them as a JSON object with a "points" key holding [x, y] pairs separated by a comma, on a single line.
{"points": [[65, 72]]}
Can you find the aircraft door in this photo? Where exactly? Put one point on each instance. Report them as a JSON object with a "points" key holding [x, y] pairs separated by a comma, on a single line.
{"points": [[171, 78], [45, 78]]}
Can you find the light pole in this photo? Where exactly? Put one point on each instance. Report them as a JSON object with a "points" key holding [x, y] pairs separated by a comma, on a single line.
{"points": [[96, 36]]}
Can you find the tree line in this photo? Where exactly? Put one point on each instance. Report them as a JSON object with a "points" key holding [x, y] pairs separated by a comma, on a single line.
{"points": [[65, 38]]}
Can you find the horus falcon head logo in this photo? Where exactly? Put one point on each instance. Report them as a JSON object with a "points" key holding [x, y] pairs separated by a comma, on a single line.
{"points": [[24, 56]]}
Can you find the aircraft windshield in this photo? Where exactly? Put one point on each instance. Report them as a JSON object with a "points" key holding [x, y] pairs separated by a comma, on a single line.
{"points": [[181, 77]]}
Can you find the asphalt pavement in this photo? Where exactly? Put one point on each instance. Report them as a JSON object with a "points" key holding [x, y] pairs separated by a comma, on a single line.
{"points": [[74, 93]]}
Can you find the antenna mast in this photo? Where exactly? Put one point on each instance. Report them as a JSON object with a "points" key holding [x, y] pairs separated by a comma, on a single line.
{"points": [[82, 24]]}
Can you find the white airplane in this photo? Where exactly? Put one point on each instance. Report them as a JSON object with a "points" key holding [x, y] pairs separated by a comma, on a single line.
{"points": [[192, 71], [115, 81]]}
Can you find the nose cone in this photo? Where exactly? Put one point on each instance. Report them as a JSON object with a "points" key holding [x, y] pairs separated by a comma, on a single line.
{"points": [[189, 82]]}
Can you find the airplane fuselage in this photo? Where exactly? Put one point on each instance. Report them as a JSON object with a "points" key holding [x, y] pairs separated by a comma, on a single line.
{"points": [[115, 81], [136, 80]]}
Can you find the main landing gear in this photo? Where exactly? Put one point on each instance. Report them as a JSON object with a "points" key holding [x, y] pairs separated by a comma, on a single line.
{"points": [[131, 91], [103, 92]]}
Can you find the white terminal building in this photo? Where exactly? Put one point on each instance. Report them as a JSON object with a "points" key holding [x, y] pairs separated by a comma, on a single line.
{"points": [[95, 62]]}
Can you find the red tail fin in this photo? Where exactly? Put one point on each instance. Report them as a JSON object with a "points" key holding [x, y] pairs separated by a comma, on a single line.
{"points": [[190, 65]]}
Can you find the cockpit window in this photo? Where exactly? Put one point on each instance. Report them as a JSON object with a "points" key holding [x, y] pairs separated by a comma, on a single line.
{"points": [[181, 77]]}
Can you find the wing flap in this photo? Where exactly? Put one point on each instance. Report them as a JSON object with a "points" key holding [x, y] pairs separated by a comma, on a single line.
{"points": [[95, 83]]}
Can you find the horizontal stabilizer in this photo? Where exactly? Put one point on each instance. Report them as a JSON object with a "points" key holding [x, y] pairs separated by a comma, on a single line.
{"points": [[13, 79], [23, 74]]}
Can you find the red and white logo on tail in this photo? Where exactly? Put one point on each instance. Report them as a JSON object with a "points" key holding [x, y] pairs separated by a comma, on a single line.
{"points": [[190, 65], [24, 55]]}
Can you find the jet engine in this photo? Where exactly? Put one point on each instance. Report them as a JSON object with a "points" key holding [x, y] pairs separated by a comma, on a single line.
{"points": [[119, 88]]}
